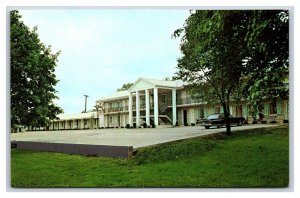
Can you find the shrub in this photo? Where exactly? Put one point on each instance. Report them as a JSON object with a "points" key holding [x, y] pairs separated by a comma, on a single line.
{"points": [[144, 125]]}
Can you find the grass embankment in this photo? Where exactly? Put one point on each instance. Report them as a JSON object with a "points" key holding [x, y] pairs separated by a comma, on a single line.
{"points": [[252, 158]]}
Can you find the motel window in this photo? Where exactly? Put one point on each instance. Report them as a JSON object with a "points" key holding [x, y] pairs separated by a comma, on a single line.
{"points": [[199, 113], [273, 107], [163, 98], [217, 109]]}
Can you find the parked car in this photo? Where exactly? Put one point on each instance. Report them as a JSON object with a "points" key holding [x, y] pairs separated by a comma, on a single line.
{"points": [[218, 120]]}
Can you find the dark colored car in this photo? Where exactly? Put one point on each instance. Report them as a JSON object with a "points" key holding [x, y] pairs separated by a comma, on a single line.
{"points": [[218, 120]]}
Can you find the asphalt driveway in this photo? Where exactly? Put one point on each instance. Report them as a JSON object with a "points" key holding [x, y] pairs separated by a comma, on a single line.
{"points": [[123, 137]]}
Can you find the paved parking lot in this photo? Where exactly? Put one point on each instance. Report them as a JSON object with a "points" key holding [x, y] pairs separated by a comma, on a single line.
{"points": [[123, 137]]}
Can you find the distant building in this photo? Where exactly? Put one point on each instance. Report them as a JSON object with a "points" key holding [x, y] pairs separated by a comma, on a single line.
{"points": [[152, 103], [87, 120]]}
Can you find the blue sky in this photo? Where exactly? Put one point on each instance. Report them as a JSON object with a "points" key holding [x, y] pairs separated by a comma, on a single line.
{"points": [[103, 49]]}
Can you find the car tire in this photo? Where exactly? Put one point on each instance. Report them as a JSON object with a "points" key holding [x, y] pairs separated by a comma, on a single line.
{"points": [[207, 127]]}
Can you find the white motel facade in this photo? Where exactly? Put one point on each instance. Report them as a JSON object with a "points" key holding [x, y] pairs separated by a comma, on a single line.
{"points": [[154, 103]]}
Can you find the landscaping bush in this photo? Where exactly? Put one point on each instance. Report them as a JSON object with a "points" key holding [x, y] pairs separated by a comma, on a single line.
{"points": [[144, 125]]}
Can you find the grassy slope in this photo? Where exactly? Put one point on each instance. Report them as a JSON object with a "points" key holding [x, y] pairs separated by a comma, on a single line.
{"points": [[256, 158]]}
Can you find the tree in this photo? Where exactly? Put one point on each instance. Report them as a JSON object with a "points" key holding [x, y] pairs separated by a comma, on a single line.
{"points": [[98, 108], [125, 87], [32, 76], [267, 60], [228, 55], [213, 48]]}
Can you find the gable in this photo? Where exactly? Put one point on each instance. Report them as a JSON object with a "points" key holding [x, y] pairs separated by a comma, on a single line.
{"points": [[141, 84]]}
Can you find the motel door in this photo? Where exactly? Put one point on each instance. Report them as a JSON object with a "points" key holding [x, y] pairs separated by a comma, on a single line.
{"points": [[185, 117], [239, 110]]}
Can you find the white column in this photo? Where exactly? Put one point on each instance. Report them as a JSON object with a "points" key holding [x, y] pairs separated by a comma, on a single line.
{"points": [[137, 104], [155, 107], [174, 106], [147, 101], [130, 119]]}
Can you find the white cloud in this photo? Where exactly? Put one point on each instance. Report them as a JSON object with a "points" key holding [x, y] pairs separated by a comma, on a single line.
{"points": [[103, 49]]}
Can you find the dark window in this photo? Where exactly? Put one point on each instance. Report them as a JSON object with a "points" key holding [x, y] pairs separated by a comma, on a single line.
{"points": [[201, 113], [273, 107], [163, 98], [217, 109]]}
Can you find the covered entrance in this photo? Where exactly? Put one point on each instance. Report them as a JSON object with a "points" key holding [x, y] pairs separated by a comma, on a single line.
{"points": [[155, 94]]}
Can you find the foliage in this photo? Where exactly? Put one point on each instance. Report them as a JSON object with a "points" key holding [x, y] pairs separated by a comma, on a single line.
{"points": [[233, 54], [213, 48], [32, 76], [262, 160], [267, 60], [125, 87], [98, 108]]}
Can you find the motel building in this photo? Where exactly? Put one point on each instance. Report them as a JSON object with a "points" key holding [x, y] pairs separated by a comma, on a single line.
{"points": [[150, 103]]}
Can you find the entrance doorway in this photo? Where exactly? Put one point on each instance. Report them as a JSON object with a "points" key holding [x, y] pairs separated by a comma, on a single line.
{"points": [[185, 118], [239, 111]]}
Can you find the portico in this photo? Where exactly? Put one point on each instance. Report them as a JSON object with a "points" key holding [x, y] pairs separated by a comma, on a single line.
{"points": [[148, 90]]}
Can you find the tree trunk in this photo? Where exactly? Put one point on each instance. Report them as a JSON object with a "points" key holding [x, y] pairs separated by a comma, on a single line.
{"points": [[228, 128], [226, 115]]}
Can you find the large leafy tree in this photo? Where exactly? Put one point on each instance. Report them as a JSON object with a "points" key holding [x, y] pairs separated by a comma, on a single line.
{"points": [[32, 76], [213, 48], [267, 61], [225, 54]]}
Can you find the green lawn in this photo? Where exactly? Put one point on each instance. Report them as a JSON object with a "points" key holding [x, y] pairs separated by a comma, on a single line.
{"points": [[253, 158]]}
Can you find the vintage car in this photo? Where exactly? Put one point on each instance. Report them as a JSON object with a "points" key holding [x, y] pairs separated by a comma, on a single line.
{"points": [[218, 120]]}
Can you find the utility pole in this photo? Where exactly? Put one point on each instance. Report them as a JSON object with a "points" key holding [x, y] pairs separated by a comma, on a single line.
{"points": [[85, 102]]}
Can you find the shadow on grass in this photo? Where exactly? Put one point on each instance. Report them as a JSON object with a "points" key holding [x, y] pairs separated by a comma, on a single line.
{"points": [[196, 146]]}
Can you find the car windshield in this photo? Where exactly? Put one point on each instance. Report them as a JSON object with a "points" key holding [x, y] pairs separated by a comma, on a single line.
{"points": [[214, 116]]}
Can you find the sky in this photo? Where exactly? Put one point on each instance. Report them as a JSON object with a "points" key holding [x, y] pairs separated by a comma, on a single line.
{"points": [[103, 49]]}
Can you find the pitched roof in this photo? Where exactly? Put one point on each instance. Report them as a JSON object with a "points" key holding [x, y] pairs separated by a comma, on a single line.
{"points": [[151, 83], [164, 83], [147, 83]]}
